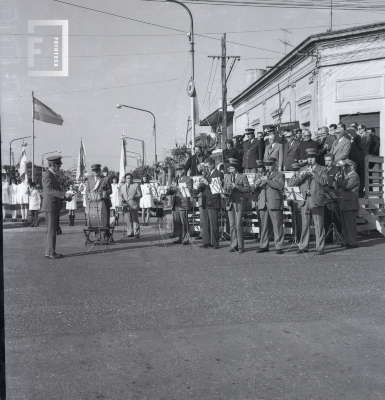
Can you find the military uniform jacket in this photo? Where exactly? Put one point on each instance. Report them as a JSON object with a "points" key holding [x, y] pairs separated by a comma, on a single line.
{"points": [[252, 151], [237, 197], [348, 192], [290, 154], [331, 174], [177, 198], [52, 195], [271, 192], [313, 189], [207, 199]]}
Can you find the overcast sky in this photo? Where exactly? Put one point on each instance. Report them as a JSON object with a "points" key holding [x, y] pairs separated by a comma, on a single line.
{"points": [[114, 60]]}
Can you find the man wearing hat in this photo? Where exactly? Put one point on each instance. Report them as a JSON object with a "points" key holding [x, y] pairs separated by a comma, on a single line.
{"points": [[252, 151], [180, 203], [130, 194], [98, 188], [295, 204], [311, 180], [235, 185], [270, 203], [290, 150], [274, 150], [209, 205], [349, 202], [52, 202]]}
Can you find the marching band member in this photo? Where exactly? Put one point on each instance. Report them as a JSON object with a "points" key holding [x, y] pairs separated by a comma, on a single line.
{"points": [[270, 203], [349, 202], [294, 205], [180, 204], [210, 206], [130, 194], [235, 184], [311, 180], [98, 188]]}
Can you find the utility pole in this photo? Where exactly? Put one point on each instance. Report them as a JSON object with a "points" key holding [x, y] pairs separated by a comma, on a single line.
{"points": [[331, 15], [224, 57], [187, 131]]}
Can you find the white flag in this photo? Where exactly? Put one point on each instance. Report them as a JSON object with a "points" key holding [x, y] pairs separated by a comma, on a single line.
{"points": [[23, 167], [123, 160]]}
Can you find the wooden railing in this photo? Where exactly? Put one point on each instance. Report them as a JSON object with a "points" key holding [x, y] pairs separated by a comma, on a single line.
{"points": [[374, 176]]}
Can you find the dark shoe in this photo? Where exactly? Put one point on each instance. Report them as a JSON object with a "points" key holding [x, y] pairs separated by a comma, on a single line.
{"points": [[216, 247], [233, 249], [205, 246], [262, 250], [185, 242], [279, 251], [299, 251], [320, 253], [53, 256], [240, 251], [58, 232], [131, 235], [178, 241], [351, 246], [137, 236], [146, 223]]}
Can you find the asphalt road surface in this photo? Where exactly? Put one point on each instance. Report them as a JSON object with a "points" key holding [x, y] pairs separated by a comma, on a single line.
{"points": [[145, 321]]}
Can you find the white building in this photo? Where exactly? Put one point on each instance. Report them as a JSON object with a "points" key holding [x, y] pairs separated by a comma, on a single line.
{"points": [[330, 77]]}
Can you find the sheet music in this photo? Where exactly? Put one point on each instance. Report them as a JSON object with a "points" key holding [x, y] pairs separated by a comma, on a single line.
{"points": [[216, 186], [196, 180], [184, 189]]}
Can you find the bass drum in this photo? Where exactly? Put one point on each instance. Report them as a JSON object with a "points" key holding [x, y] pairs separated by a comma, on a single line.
{"points": [[94, 219]]}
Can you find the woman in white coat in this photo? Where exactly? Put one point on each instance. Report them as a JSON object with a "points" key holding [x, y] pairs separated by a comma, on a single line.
{"points": [[5, 194], [23, 199], [115, 200], [71, 206], [13, 198], [146, 201]]}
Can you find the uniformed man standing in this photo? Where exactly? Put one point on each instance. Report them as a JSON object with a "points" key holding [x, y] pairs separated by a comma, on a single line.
{"points": [[180, 203], [311, 180], [252, 151], [235, 185], [52, 201], [349, 203], [270, 203]]}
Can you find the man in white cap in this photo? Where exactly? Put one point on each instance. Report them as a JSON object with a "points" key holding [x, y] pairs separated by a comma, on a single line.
{"points": [[348, 200]]}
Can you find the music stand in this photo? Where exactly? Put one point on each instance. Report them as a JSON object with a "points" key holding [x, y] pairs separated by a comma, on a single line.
{"points": [[332, 198], [158, 227]]}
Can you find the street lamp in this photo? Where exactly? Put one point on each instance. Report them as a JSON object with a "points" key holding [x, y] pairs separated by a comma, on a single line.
{"points": [[10, 150], [191, 37], [136, 158], [134, 152], [143, 148], [49, 152], [154, 128]]}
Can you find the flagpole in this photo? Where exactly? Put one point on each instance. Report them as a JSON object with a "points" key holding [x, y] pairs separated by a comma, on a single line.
{"points": [[33, 143]]}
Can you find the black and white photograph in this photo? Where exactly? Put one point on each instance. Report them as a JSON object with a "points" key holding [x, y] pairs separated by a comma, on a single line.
{"points": [[192, 199]]}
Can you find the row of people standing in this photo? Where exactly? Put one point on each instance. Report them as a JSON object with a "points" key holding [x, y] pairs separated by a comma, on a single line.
{"points": [[268, 191]]}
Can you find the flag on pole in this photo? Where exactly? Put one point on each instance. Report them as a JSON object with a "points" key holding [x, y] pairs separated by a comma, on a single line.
{"points": [[43, 113], [123, 160], [23, 170], [81, 161], [196, 110]]}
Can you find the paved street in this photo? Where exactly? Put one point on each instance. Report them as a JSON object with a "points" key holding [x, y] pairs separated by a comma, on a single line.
{"points": [[148, 322]]}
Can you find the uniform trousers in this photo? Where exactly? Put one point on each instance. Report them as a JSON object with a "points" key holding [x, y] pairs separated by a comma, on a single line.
{"points": [[133, 226], [209, 225], [52, 224], [349, 227], [318, 217], [277, 221], [236, 228], [179, 217]]}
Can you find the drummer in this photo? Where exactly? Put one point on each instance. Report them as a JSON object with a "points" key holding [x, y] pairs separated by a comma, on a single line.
{"points": [[99, 189]]}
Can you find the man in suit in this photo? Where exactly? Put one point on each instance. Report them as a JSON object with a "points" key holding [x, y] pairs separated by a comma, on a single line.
{"points": [[374, 147], [349, 202], [295, 208], [270, 203], [130, 194], [262, 140], [209, 205], [306, 143], [331, 211], [341, 146], [181, 203], [252, 151], [298, 134], [193, 162], [311, 181], [52, 201], [235, 185], [274, 150], [290, 151], [99, 188]]}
